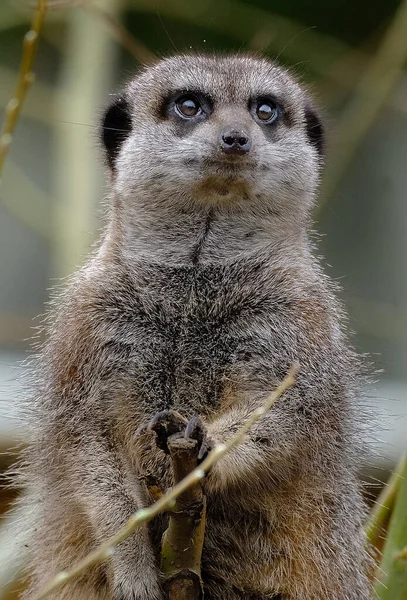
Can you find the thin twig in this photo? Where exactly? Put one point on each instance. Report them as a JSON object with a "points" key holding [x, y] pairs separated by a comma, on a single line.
{"points": [[25, 79], [370, 96], [167, 501], [384, 504]]}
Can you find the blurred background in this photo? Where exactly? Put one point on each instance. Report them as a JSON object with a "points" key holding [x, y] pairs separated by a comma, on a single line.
{"points": [[351, 55]]}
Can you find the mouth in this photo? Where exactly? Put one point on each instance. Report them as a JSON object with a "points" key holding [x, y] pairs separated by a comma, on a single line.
{"points": [[228, 164]]}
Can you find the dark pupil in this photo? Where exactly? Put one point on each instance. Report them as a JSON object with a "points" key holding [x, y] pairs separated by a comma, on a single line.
{"points": [[265, 112], [188, 107]]}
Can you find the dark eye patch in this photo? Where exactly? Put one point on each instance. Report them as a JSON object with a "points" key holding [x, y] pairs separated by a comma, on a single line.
{"points": [[178, 107], [172, 105], [116, 126], [314, 129]]}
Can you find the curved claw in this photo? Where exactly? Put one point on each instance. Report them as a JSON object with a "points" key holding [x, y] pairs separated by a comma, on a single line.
{"points": [[165, 424], [197, 431], [204, 450]]}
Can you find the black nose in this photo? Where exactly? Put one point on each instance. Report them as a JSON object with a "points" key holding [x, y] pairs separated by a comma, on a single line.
{"points": [[235, 142]]}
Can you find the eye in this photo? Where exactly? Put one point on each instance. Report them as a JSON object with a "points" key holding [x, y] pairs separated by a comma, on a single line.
{"points": [[188, 107], [267, 111]]}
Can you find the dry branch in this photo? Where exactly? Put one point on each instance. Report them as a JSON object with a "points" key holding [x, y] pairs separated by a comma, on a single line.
{"points": [[183, 540], [25, 79], [168, 500]]}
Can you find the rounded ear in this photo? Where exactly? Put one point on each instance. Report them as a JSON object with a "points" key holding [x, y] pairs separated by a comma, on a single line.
{"points": [[314, 128], [116, 126]]}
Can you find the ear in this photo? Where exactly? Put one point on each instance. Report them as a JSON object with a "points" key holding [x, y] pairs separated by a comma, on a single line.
{"points": [[314, 128], [116, 126]]}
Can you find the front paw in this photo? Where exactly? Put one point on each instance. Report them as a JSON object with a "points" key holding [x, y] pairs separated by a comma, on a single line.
{"points": [[196, 430], [165, 424], [169, 422]]}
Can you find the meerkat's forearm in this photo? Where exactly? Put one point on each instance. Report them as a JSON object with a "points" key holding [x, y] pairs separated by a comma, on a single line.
{"points": [[268, 453]]}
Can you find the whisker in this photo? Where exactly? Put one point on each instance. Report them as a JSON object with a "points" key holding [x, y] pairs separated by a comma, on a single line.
{"points": [[294, 38], [89, 125]]}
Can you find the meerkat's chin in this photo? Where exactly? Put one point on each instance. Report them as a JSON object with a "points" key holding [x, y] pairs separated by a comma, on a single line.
{"points": [[221, 189]]}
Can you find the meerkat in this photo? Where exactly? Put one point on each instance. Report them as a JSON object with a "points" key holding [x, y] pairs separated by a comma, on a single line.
{"points": [[203, 292]]}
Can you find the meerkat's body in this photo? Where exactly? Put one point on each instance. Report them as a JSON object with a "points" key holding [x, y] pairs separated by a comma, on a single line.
{"points": [[203, 293]]}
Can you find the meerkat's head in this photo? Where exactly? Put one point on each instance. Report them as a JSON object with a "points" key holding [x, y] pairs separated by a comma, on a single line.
{"points": [[207, 130]]}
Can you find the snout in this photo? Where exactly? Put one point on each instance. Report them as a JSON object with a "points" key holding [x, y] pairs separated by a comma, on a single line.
{"points": [[235, 141]]}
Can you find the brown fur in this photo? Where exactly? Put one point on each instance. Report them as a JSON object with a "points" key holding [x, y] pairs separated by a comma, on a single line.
{"points": [[203, 293]]}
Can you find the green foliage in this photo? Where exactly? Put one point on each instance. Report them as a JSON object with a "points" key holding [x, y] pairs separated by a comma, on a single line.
{"points": [[392, 584]]}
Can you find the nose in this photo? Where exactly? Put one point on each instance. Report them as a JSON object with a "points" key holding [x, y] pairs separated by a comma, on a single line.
{"points": [[233, 141]]}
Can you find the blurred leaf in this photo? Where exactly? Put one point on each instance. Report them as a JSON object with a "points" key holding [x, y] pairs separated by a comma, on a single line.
{"points": [[394, 564]]}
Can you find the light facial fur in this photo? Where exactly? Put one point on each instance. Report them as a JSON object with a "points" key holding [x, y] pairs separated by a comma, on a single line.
{"points": [[168, 167], [204, 291]]}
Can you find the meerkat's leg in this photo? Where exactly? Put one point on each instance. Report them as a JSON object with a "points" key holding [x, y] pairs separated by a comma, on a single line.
{"points": [[105, 498], [109, 497], [60, 540]]}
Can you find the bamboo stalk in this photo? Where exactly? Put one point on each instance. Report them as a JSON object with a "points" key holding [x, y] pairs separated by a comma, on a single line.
{"points": [[25, 80], [84, 79], [133, 46], [22, 198]]}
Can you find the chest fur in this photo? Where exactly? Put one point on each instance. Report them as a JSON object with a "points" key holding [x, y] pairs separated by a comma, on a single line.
{"points": [[185, 337]]}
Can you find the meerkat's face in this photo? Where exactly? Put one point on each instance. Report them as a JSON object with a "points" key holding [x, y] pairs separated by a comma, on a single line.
{"points": [[215, 130]]}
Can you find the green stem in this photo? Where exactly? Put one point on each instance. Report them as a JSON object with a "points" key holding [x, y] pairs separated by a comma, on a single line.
{"points": [[384, 504], [25, 79], [393, 568]]}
